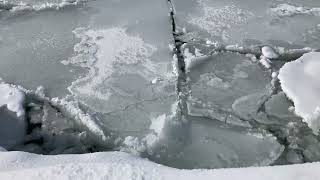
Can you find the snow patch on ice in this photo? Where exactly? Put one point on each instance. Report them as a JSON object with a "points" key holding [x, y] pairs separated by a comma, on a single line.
{"points": [[106, 52], [300, 81], [217, 20]]}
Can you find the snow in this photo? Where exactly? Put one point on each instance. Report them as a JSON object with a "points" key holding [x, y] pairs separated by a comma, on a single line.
{"points": [[12, 98], [301, 83], [118, 166]]}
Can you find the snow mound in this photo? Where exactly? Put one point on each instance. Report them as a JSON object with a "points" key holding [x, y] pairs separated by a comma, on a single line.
{"points": [[117, 165], [300, 81]]}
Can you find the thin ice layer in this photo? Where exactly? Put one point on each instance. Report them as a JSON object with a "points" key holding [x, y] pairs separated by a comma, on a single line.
{"points": [[300, 81]]}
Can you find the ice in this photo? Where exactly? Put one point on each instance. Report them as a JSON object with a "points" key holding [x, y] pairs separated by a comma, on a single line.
{"points": [[12, 115], [205, 143], [130, 78], [251, 22], [118, 166], [300, 81], [12, 98], [31, 53], [188, 84], [223, 82], [269, 52]]}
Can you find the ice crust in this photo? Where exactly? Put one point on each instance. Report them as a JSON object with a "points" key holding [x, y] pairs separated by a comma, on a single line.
{"points": [[300, 81]]}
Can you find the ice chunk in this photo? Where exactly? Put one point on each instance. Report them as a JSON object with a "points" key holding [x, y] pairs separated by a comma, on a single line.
{"points": [[300, 81], [269, 52]]}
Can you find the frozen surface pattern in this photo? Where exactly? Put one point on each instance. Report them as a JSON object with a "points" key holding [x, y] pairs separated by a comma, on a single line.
{"points": [[184, 83]]}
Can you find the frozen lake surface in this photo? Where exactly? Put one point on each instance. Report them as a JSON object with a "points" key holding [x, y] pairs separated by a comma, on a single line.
{"points": [[185, 83]]}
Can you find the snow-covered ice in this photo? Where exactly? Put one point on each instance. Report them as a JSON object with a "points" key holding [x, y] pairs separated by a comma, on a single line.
{"points": [[300, 81]]}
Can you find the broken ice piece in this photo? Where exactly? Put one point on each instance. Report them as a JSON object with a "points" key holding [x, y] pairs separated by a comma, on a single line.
{"points": [[269, 52]]}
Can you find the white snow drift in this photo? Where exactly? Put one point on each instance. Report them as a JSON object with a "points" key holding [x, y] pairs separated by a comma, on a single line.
{"points": [[300, 81]]}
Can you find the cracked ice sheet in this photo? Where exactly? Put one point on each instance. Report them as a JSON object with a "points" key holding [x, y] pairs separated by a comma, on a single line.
{"points": [[250, 22], [227, 87], [130, 78], [204, 143]]}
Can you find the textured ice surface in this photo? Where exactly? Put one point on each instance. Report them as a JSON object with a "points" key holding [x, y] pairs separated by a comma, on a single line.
{"points": [[251, 21], [113, 76], [300, 81], [226, 85], [124, 53]]}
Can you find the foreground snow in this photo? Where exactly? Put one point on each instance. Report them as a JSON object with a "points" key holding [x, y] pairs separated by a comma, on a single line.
{"points": [[117, 165], [301, 82]]}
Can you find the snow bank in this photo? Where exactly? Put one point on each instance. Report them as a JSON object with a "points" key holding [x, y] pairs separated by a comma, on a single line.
{"points": [[117, 165], [300, 81]]}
